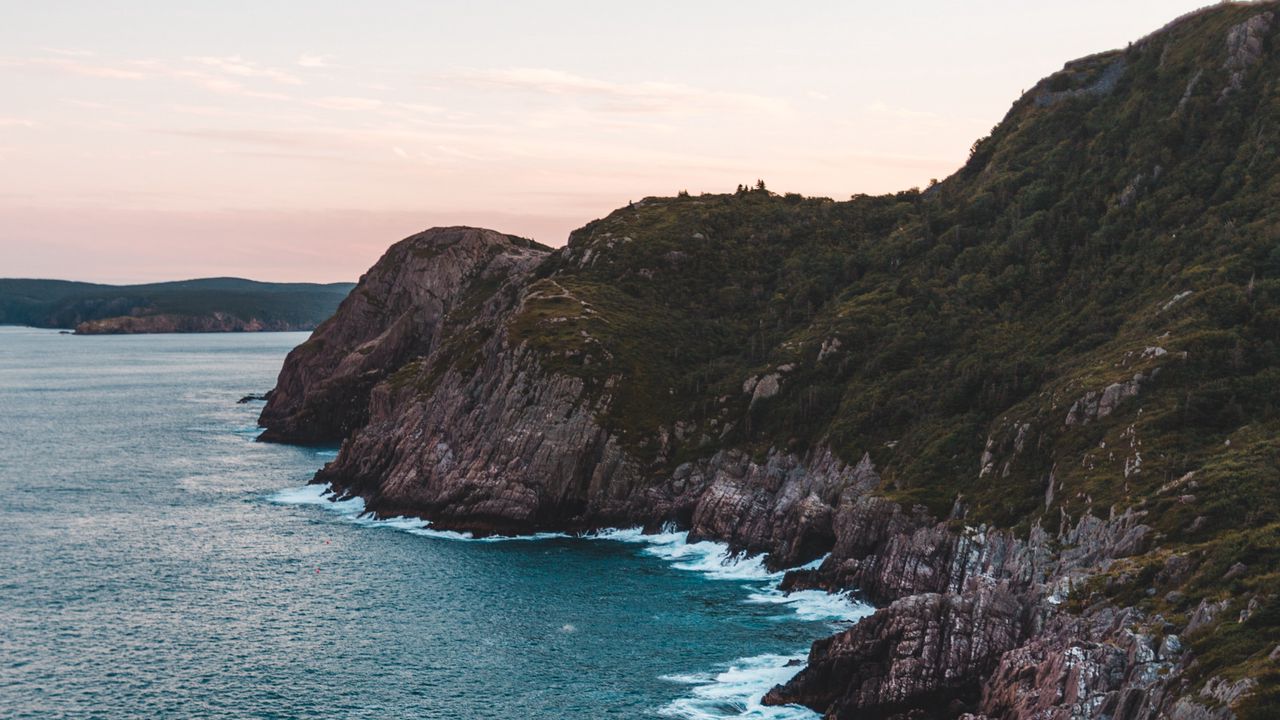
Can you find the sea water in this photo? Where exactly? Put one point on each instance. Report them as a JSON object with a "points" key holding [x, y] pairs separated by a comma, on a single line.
{"points": [[157, 562]]}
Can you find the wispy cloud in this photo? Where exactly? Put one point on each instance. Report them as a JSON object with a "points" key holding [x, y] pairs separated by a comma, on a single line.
{"points": [[313, 61], [76, 67], [420, 108], [239, 67], [86, 104], [347, 103], [69, 52], [220, 75], [270, 138], [638, 97], [15, 122]]}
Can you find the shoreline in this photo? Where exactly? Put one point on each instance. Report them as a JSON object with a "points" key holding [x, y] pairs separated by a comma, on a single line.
{"points": [[743, 682]]}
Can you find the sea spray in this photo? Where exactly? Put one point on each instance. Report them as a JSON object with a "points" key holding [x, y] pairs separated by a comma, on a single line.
{"points": [[735, 691]]}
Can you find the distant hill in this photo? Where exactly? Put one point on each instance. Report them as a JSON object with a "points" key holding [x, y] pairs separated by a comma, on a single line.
{"points": [[202, 305]]}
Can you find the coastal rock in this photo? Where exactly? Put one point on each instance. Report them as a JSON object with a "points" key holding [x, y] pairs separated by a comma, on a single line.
{"points": [[784, 506], [394, 315], [924, 650], [1090, 666]]}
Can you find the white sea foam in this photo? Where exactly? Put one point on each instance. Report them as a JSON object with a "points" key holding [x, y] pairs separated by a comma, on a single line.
{"points": [[353, 510], [815, 605], [712, 559], [735, 691]]}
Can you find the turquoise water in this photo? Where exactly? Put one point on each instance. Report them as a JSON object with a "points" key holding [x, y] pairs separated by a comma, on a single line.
{"points": [[159, 563]]}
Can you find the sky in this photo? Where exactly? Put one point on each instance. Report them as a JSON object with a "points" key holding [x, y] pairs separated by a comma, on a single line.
{"points": [[295, 141]]}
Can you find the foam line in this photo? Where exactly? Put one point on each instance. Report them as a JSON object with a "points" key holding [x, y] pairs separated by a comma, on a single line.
{"points": [[735, 690]]}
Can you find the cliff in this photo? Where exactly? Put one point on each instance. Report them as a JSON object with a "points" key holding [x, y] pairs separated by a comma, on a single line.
{"points": [[1030, 412], [396, 313]]}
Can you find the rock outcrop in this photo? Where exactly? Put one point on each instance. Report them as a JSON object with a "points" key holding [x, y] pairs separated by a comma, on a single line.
{"points": [[394, 315], [923, 653]]}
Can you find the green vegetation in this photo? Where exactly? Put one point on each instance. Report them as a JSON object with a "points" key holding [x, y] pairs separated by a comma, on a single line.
{"points": [[1120, 222], [63, 304]]}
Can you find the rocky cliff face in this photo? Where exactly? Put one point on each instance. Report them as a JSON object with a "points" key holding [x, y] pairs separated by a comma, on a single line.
{"points": [[393, 316], [1030, 413]]}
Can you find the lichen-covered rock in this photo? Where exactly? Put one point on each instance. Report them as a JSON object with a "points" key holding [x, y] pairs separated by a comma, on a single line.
{"points": [[1244, 49], [1098, 404]]}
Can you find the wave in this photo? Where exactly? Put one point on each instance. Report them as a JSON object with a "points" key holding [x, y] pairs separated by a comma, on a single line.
{"points": [[735, 691], [353, 511], [712, 559], [815, 605], [732, 691]]}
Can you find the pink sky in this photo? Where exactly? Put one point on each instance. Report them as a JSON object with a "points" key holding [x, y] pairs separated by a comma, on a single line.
{"points": [[144, 141]]}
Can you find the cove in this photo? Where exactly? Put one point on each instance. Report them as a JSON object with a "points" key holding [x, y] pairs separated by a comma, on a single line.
{"points": [[166, 565]]}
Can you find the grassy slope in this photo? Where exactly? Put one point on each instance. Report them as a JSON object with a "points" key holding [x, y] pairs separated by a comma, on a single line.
{"points": [[1039, 272]]}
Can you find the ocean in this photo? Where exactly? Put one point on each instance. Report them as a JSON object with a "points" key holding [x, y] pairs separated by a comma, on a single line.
{"points": [[160, 563]]}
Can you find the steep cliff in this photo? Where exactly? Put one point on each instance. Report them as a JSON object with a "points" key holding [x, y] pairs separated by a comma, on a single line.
{"points": [[395, 314], [1031, 412]]}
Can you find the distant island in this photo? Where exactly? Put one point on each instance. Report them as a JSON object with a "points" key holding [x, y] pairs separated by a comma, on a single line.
{"points": [[201, 305]]}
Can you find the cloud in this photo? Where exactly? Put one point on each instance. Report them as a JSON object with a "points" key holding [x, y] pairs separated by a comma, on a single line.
{"points": [[69, 52], [640, 97], [86, 104], [421, 108], [313, 61], [239, 67], [347, 103], [270, 138], [220, 75], [15, 122], [76, 67]]}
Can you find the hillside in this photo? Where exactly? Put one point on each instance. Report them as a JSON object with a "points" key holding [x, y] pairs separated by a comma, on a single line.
{"points": [[203, 305], [1033, 411]]}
